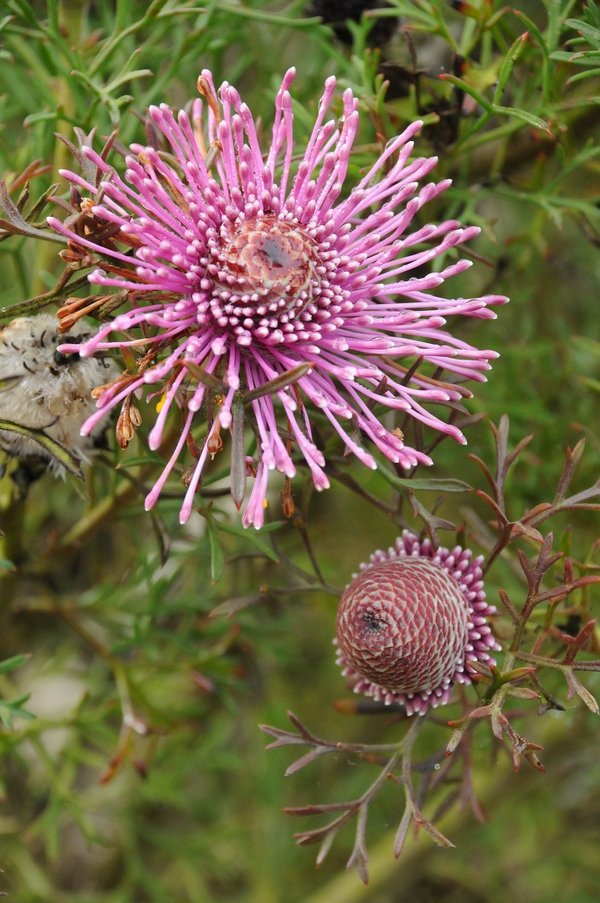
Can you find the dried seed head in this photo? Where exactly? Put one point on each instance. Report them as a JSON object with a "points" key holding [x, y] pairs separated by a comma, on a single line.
{"points": [[410, 624], [42, 388]]}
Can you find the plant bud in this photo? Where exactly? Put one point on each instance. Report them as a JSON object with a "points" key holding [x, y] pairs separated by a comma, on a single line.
{"points": [[410, 625]]}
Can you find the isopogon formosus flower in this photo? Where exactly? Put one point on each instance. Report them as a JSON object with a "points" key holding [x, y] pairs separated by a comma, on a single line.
{"points": [[411, 624], [249, 271]]}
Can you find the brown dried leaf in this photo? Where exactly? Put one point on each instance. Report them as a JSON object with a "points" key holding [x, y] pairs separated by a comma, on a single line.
{"points": [[576, 687]]}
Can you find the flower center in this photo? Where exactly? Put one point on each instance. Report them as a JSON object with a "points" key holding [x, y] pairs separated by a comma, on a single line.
{"points": [[271, 261]]}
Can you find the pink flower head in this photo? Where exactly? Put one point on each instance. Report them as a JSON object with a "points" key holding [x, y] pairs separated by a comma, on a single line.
{"points": [[249, 270], [411, 624]]}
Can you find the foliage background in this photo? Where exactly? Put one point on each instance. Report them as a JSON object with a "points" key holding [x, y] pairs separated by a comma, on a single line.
{"points": [[143, 776]]}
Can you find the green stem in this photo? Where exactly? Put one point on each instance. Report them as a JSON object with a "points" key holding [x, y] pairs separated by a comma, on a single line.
{"points": [[68, 16]]}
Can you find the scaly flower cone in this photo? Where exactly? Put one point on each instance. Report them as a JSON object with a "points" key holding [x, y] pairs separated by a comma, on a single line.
{"points": [[411, 624]]}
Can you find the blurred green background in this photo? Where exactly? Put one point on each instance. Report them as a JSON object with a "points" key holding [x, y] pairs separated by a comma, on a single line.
{"points": [[143, 776]]}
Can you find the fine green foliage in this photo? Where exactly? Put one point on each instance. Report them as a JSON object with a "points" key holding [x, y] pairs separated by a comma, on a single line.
{"points": [[140, 655]]}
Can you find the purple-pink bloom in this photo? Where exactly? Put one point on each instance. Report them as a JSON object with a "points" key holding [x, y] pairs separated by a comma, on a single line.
{"points": [[413, 623], [249, 270]]}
